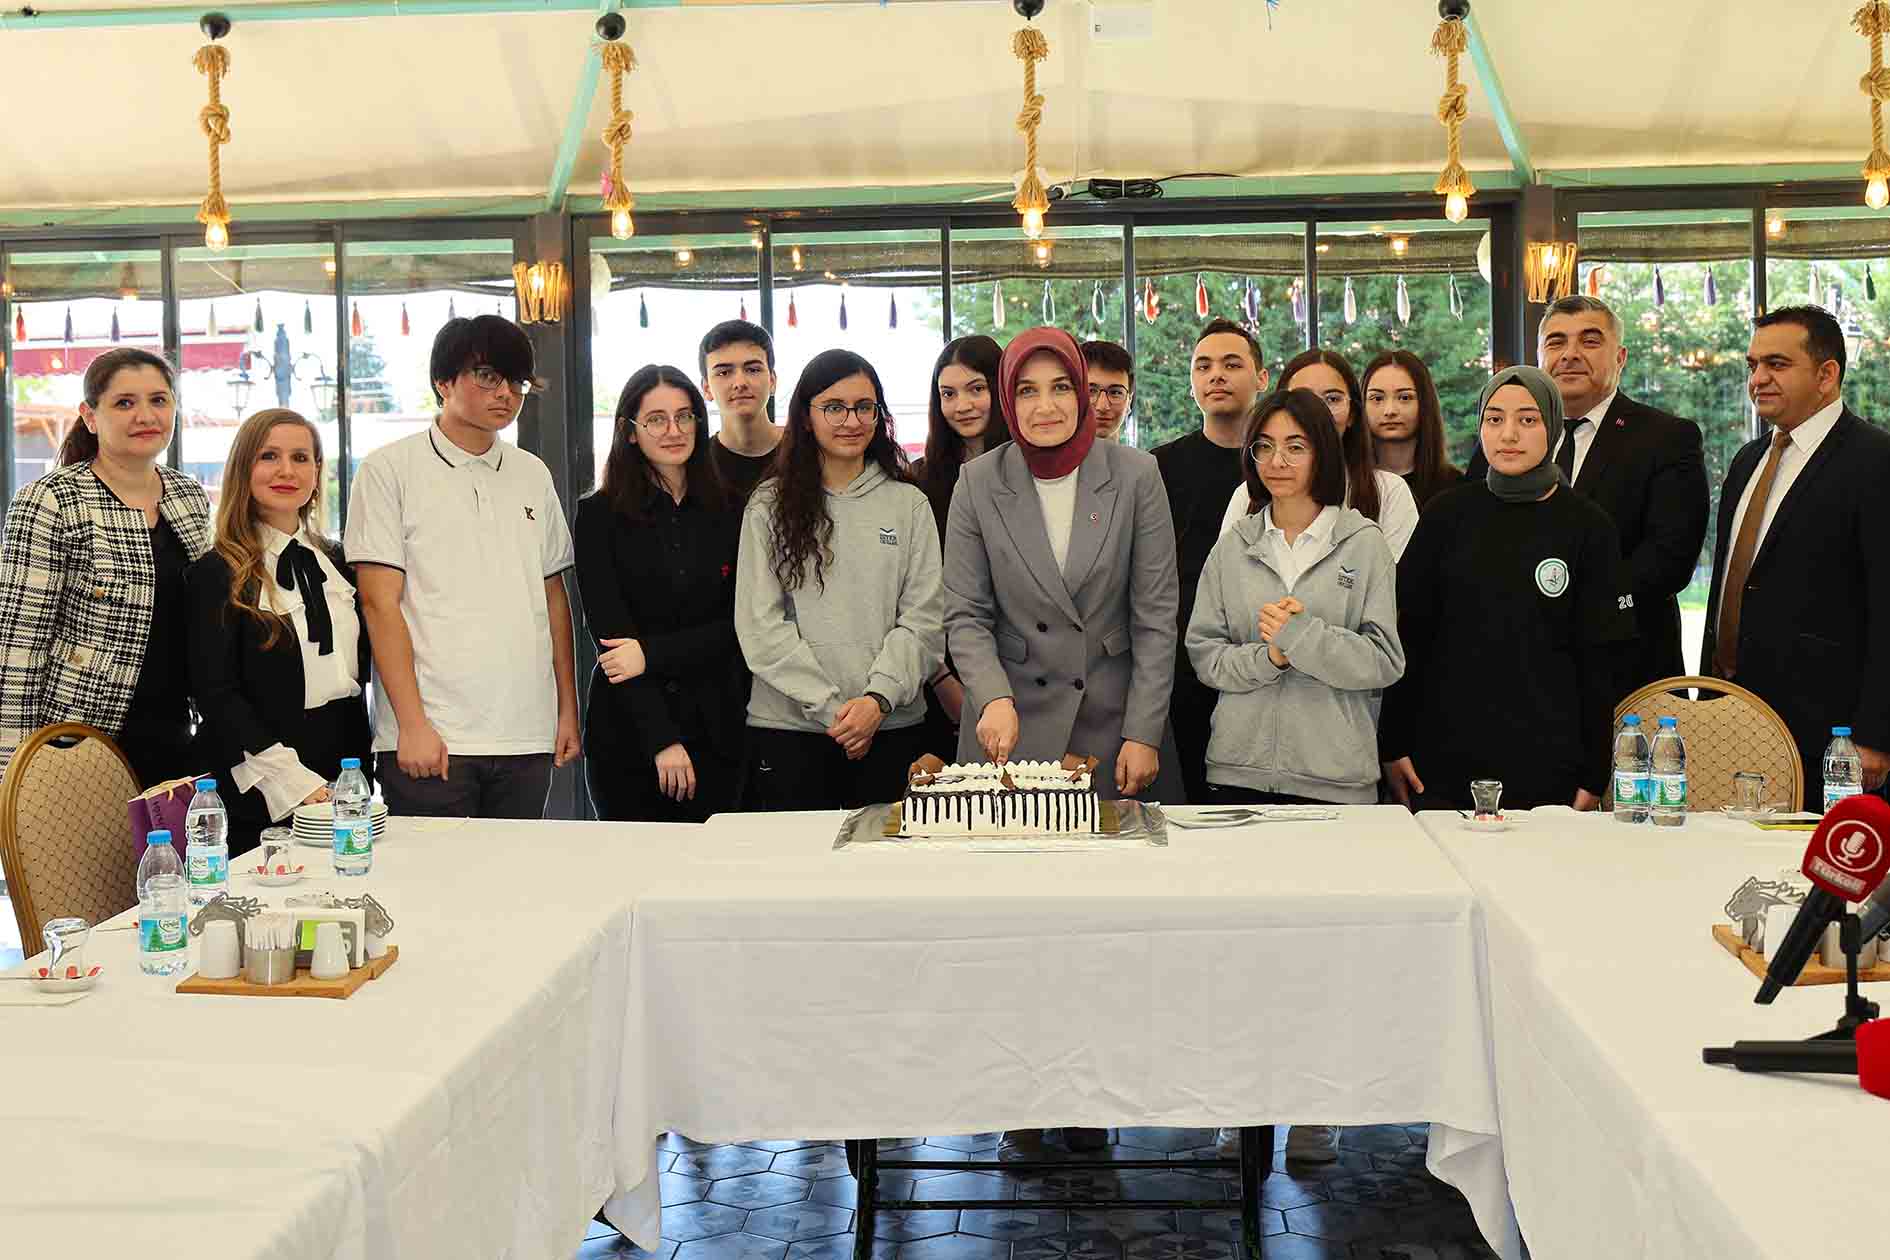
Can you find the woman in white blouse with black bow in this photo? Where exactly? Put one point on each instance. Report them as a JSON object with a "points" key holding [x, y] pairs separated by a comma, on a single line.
{"points": [[277, 648]]}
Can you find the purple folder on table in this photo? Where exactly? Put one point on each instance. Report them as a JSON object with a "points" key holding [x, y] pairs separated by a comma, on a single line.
{"points": [[161, 808]]}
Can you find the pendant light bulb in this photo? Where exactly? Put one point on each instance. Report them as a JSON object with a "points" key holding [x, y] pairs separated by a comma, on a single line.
{"points": [[216, 235], [1877, 192], [1456, 207], [621, 226], [1033, 223]]}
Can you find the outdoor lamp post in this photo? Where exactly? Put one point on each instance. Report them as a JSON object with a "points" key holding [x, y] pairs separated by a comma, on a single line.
{"points": [[285, 367]]}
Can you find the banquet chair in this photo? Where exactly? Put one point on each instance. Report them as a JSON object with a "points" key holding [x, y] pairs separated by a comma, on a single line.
{"points": [[65, 831], [1728, 730]]}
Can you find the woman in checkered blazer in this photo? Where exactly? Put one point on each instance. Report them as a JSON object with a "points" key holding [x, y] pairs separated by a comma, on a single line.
{"points": [[92, 596]]}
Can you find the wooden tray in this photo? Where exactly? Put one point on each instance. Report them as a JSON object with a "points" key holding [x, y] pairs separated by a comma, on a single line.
{"points": [[1815, 972], [304, 985], [1108, 821]]}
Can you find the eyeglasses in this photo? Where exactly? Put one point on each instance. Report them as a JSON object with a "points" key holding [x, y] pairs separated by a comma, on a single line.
{"points": [[487, 379], [866, 411], [1295, 452], [1114, 393], [656, 422]]}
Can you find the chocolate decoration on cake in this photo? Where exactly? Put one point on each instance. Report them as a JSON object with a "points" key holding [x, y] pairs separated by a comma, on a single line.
{"points": [[1079, 765], [925, 770]]}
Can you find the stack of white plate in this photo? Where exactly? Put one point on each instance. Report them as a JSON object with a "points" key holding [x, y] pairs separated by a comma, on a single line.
{"points": [[315, 824]]}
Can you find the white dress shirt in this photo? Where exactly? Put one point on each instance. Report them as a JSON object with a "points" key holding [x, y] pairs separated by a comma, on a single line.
{"points": [[1806, 439], [280, 775], [1058, 498], [1582, 430], [1292, 559], [1397, 509]]}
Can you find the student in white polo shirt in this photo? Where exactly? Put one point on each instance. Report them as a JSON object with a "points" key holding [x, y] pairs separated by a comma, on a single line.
{"points": [[461, 548]]}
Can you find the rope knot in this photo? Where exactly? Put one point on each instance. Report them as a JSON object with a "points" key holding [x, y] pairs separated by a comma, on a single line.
{"points": [[1876, 84], [1029, 45], [1030, 116], [1454, 106], [617, 130], [215, 120]]}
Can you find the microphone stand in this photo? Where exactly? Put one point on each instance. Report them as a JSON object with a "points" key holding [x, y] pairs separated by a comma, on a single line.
{"points": [[1829, 1051], [1857, 1008]]}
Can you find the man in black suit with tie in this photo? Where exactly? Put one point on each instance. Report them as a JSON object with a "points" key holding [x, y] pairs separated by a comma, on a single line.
{"points": [[1800, 610], [1643, 467]]}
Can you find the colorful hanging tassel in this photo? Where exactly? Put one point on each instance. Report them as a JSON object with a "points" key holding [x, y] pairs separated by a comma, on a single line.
{"points": [[450, 312], [1594, 281], [259, 318], [1660, 288], [742, 311], [643, 311], [355, 326], [843, 310], [68, 325], [115, 336], [406, 327], [1299, 302], [1250, 301], [793, 316], [1811, 283], [1456, 297], [1200, 297], [1870, 285], [892, 311], [1096, 304], [997, 304], [1049, 305], [1150, 307], [1712, 289], [1351, 302], [19, 328], [1404, 302]]}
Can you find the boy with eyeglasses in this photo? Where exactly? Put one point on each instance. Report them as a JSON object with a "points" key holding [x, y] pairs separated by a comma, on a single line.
{"points": [[461, 547], [1111, 386]]}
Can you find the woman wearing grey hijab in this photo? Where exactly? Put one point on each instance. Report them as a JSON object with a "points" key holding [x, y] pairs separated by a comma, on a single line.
{"points": [[1513, 607]]}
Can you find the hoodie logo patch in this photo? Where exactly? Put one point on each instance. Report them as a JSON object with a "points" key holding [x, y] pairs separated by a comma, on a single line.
{"points": [[888, 537], [1552, 577], [1347, 577]]}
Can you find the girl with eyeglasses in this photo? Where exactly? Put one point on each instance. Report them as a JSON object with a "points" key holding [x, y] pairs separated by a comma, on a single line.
{"points": [[656, 545], [837, 601], [1296, 622]]}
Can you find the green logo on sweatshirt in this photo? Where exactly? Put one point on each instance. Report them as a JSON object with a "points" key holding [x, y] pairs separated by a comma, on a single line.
{"points": [[1552, 577]]}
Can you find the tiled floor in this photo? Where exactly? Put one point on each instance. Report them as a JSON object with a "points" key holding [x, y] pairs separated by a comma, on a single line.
{"points": [[794, 1200]]}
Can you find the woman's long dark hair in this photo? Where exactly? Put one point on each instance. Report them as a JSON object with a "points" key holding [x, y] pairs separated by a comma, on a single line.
{"points": [[944, 448], [1309, 411], [1431, 468], [800, 535], [1361, 467], [631, 483], [81, 444]]}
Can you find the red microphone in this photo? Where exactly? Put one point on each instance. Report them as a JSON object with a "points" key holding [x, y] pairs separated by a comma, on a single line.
{"points": [[1848, 857], [1867, 1057]]}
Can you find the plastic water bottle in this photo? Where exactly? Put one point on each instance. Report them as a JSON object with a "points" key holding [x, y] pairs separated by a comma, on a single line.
{"points": [[354, 822], [1669, 805], [1633, 768], [163, 909], [207, 844], [1843, 768]]}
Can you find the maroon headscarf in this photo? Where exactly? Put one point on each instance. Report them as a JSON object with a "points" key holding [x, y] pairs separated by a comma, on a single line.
{"points": [[1047, 463]]}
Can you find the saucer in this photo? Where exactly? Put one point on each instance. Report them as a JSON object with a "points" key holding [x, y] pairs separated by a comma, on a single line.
{"points": [[1500, 823], [59, 984], [291, 876]]}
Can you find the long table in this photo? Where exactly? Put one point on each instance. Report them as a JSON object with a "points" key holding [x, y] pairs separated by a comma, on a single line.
{"points": [[1604, 986], [458, 1105], [1313, 972]]}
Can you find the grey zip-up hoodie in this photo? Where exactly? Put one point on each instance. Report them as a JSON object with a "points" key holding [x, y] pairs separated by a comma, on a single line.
{"points": [[1310, 729], [878, 625]]}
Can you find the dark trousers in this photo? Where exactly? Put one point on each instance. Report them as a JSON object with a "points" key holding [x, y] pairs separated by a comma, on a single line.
{"points": [[1191, 715], [1228, 794], [630, 792], [807, 770], [159, 751], [475, 787]]}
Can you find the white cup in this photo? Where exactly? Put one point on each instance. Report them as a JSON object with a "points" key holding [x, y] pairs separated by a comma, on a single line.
{"points": [[330, 960], [377, 946], [219, 956], [1778, 921]]}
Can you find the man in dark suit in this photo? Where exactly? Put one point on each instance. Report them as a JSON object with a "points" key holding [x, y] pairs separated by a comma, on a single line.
{"points": [[1800, 609], [1643, 467]]}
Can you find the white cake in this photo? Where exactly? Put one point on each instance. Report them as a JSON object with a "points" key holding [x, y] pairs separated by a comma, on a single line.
{"points": [[1021, 798]]}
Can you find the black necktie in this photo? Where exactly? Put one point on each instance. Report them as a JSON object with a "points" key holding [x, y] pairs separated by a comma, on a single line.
{"points": [[298, 570], [1565, 458]]}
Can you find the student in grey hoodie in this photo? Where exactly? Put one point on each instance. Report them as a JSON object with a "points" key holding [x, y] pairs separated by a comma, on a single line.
{"points": [[1295, 622], [838, 603]]}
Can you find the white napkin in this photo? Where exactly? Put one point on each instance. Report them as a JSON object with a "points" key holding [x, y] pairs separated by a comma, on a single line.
{"points": [[16, 993]]}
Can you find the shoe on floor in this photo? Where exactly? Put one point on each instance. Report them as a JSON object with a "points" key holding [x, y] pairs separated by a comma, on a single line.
{"points": [[1312, 1144], [1085, 1139]]}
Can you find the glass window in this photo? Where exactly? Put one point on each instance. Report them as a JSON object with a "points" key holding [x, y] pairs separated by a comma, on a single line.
{"points": [[888, 283], [1829, 257], [1003, 283], [1682, 284], [1419, 286], [652, 298], [400, 294], [1253, 274], [68, 308], [258, 331]]}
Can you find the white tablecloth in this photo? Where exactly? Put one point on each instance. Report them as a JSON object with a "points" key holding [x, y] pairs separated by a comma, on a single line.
{"points": [[459, 1105], [1605, 983], [1275, 973]]}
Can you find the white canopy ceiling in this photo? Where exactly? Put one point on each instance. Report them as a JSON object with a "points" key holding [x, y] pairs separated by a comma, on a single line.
{"points": [[732, 97]]}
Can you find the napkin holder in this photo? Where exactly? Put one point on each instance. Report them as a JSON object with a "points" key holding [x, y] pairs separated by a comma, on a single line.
{"points": [[353, 923]]}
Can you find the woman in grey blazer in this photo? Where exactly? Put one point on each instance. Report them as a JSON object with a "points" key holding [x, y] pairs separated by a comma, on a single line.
{"points": [[1060, 584]]}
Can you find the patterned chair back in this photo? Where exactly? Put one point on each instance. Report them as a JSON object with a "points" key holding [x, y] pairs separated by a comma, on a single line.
{"points": [[1728, 729], [65, 828]]}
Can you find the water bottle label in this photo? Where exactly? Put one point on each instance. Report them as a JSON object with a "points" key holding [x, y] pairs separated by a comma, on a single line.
{"points": [[354, 839], [1835, 792], [209, 869], [1629, 788], [161, 934], [1671, 790]]}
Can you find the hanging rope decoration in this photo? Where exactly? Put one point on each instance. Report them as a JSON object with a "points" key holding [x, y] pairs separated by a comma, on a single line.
{"points": [[213, 61], [1872, 21], [619, 59], [1450, 41], [1032, 202]]}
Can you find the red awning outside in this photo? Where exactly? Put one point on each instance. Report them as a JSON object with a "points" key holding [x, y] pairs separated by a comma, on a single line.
{"points": [[199, 356]]}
